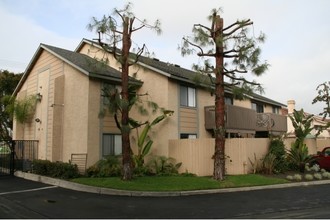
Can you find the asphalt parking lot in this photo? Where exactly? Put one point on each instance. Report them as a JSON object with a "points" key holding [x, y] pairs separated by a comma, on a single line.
{"points": [[20, 198]]}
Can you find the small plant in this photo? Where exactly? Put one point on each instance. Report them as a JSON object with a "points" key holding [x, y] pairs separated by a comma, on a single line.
{"points": [[323, 170], [309, 177], [269, 163], [23, 110], [144, 143], [326, 175], [297, 177], [106, 167], [161, 165], [318, 176], [315, 168], [298, 157], [289, 177], [256, 164]]}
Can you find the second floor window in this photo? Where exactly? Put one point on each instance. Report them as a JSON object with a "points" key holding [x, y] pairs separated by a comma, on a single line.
{"points": [[228, 101], [187, 96], [276, 110], [259, 108]]}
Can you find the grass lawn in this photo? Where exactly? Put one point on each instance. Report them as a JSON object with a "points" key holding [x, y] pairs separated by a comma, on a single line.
{"points": [[179, 183]]}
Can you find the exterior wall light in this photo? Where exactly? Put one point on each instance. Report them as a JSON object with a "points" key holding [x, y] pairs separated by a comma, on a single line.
{"points": [[39, 97]]}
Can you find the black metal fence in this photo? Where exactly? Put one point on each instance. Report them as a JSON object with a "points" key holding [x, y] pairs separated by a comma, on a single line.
{"points": [[17, 155], [25, 152], [6, 158]]}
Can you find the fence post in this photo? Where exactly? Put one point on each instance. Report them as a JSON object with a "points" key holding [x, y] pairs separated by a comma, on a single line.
{"points": [[12, 157]]}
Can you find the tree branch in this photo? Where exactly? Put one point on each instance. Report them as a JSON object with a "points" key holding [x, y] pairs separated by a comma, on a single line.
{"points": [[231, 56], [206, 54], [233, 71], [136, 29], [240, 26], [138, 54], [242, 79], [202, 26], [194, 45], [230, 26]]}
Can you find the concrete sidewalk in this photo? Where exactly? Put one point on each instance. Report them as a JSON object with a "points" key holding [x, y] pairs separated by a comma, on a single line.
{"points": [[106, 191]]}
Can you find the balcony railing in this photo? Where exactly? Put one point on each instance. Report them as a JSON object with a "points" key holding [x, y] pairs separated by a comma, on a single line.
{"points": [[244, 120], [271, 122]]}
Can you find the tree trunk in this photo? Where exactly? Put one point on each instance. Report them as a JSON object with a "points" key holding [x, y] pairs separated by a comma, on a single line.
{"points": [[219, 151], [125, 129]]}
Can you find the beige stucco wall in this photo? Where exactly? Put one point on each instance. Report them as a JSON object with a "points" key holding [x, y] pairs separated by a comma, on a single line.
{"points": [[157, 87], [246, 103], [160, 90], [94, 123], [204, 98], [34, 83], [69, 119], [75, 126]]}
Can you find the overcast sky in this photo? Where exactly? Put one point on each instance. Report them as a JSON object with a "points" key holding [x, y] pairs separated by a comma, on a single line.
{"points": [[297, 45]]}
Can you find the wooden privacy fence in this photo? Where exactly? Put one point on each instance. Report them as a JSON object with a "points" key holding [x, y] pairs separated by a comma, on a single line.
{"points": [[196, 154]]}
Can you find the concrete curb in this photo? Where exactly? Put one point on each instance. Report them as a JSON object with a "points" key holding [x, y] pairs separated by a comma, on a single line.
{"points": [[106, 191]]}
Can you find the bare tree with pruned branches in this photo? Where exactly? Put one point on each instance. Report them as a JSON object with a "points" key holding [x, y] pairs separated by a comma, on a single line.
{"points": [[235, 54], [119, 29]]}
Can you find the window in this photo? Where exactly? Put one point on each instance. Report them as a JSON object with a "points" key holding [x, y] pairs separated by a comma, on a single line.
{"points": [[259, 108], [188, 136], [228, 101], [276, 110], [187, 96], [111, 144]]}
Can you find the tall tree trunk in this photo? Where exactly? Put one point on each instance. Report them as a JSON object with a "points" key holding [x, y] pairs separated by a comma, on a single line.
{"points": [[125, 129], [219, 151]]}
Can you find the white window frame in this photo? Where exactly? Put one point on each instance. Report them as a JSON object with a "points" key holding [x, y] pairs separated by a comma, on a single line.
{"points": [[190, 99], [189, 136], [114, 144]]}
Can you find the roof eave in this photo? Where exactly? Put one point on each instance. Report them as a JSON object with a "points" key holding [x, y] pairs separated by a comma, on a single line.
{"points": [[112, 78], [28, 68]]}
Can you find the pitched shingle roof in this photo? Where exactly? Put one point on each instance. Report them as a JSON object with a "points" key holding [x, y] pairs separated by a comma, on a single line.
{"points": [[85, 64], [181, 74]]}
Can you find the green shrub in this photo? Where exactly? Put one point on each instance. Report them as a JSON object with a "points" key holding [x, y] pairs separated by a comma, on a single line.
{"points": [[55, 169], [297, 177], [289, 177], [106, 167], [309, 177], [256, 164], [298, 157], [315, 168], [161, 165], [318, 176], [277, 148], [326, 175], [269, 162]]}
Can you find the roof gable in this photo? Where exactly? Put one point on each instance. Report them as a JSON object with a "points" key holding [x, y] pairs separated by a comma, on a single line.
{"points": [[85, 64]]}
